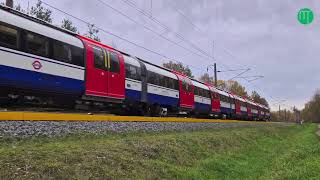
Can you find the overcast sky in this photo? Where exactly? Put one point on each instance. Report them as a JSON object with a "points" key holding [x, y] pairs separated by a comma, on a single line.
{"points": [[263, 35]]}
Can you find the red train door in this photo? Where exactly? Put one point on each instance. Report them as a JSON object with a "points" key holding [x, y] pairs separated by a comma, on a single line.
{"points": [[186, 91], [237, 107], [105, 72], [186, 94], [96, 72], [215, 99], [116, 75]]}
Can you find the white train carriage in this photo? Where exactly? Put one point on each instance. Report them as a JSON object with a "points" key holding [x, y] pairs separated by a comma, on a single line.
{"points": [[39, 59], [162, 87]]}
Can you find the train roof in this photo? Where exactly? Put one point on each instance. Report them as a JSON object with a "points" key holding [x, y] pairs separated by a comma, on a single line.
{"points": [[131, 60], [199, 84], [160, 71], [20, 20]]}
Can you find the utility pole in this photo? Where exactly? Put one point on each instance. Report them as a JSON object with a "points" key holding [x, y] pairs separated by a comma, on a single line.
{"points": [[215, 67], [9, 3], [285, 114], [215, 75]]}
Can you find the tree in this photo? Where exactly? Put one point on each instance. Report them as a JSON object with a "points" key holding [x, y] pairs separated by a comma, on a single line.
{"points": [[311, 111], [41, 12], [236, 88], [93, 32], [179, 67], [67, 24], [206, 78], [19, 8], [258, 99]]}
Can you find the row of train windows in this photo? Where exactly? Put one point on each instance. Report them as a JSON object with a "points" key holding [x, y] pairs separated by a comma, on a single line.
{"points": [[133, 72], [19, 39], [243, 104], [106, 60], [164, 81], [225, 99], [201, 92]]}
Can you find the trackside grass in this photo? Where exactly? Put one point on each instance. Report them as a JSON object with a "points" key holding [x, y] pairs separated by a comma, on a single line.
{"points": [[270, 152]]}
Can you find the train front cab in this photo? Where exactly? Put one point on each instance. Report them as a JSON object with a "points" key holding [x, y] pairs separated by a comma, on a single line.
{"points": [[105, 73]]}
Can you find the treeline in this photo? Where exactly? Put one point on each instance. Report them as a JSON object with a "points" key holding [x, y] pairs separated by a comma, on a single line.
{"points": [[230, 85], [311, 111], [41, 12], [283, 116]]}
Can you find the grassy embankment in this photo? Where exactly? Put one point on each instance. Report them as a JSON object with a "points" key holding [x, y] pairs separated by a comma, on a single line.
{"points": [[244, 153]]}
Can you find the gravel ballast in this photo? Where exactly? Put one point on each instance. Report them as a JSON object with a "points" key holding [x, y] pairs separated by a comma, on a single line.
{"points": [[23, 129]]}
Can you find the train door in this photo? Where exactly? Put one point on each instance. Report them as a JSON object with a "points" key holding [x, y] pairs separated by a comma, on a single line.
{"points": [[97, 72], [215, 100], [237, 107], [186, 93], [116, 75]]}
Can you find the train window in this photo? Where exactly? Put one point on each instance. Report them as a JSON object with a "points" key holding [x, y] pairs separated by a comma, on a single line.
{"points": [[151, 77], [156, 79], [173, 84], [37, 44], [196, 91], [133, 72], [62, 52], [99, 58], [8, 37], [114, 62], [176, 84], [164, 81], [186, 87], [206, 94], [77, 56]]}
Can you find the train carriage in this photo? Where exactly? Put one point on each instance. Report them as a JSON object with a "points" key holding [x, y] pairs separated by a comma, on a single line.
{"points": [[38, 59]]}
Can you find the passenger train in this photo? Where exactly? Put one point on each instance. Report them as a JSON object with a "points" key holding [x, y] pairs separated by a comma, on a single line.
{"points": [[40, 60]]}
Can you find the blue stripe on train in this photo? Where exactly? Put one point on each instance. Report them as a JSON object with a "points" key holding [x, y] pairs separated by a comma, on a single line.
{"points": [[35, 81], [226, 110], [202, 107], [162, 100], [133, 95]]}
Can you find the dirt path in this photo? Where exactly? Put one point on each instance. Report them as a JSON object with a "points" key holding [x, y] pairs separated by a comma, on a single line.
{"points": [[318, 132]]}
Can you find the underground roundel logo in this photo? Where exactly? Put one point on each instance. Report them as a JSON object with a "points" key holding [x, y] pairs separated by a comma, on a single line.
{"points": [[37, 65]]}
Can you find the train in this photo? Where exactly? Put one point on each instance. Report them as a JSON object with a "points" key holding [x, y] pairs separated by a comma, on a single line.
{"points": [[42, 61]]}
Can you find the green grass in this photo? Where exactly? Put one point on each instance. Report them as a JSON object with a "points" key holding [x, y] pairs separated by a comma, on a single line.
{"points": [[270, 152]]}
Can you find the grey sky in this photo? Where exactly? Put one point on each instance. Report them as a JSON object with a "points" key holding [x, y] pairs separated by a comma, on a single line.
{"points": [[263, 35]]}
